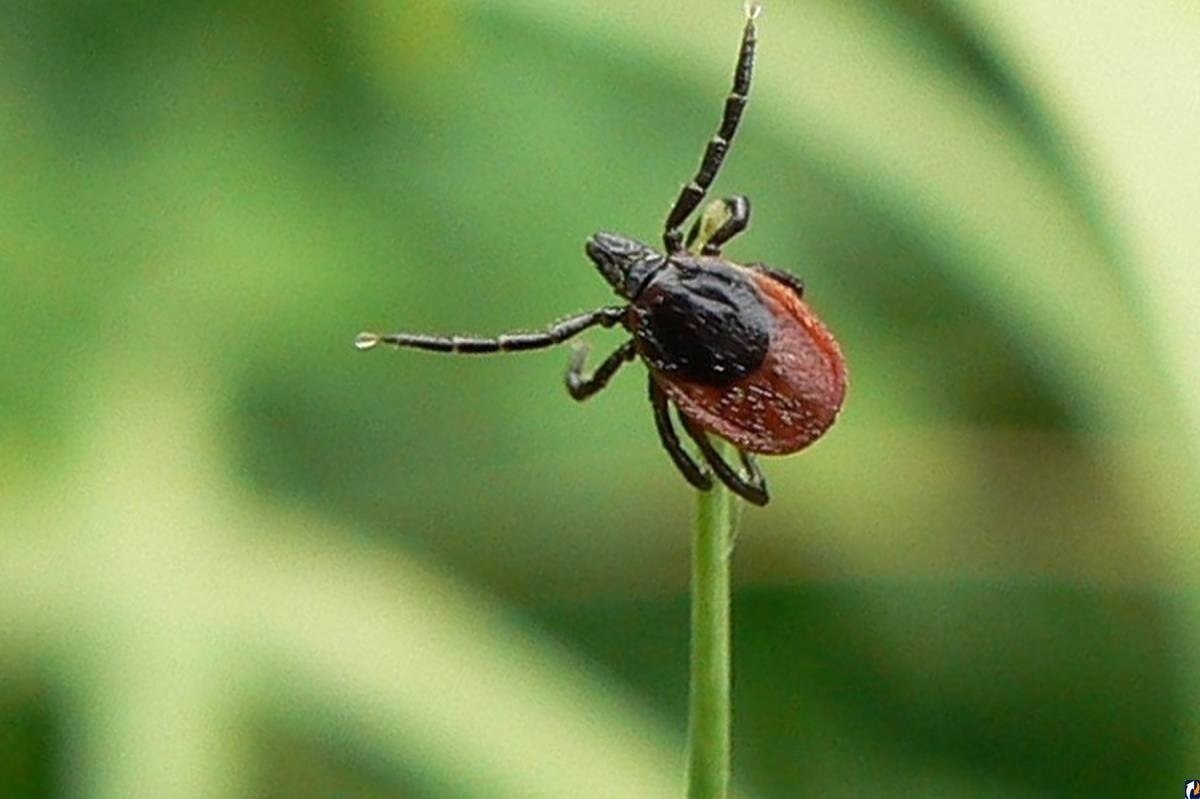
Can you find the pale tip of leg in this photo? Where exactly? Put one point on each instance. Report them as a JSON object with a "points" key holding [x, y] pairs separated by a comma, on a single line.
{"points": [[579, 354], [753, 10], [366, 341]]}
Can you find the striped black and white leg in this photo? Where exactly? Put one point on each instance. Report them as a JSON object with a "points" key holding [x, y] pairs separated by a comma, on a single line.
{"points": [[556, 333], [693, 472], [752, 488], [581, 386], [691, 194]]}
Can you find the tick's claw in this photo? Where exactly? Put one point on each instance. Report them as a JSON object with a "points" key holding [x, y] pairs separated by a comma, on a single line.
{"points": [[366, 341]]}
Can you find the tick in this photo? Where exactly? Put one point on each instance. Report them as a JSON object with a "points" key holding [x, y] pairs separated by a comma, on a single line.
{"points": [[733, 346]]}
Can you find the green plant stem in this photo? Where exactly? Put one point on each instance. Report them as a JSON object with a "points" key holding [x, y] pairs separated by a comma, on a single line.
{"points": [[708, 698]]}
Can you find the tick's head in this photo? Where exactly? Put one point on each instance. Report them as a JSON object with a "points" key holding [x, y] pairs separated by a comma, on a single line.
{"points": [[624, 262]]}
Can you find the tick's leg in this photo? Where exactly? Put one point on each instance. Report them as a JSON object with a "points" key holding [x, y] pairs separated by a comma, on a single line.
{"points": [[580, 386], [692, 471], [691, 194], [720, 222], [786, 278], [755, 474], [752, 490], [557, 333]]}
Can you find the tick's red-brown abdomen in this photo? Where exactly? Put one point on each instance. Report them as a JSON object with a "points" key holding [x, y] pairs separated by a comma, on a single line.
{"points": [[790, 400]]}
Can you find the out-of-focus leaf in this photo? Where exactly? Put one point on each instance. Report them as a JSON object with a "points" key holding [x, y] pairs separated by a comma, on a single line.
{"points": [[179, 605], [1116, 83]]}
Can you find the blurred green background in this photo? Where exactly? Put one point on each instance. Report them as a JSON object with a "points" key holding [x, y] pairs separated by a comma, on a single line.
{"points": [[240, 559]]}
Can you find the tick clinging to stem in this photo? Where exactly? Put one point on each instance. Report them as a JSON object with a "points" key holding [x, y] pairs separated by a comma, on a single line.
{"points": [[733, 346]]}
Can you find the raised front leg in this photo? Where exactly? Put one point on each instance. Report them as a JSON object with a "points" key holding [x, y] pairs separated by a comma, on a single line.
{"points": [[691, 194]]}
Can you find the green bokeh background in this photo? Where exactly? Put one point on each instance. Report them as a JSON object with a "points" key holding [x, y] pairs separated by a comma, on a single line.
{"points": [[239, 559]]}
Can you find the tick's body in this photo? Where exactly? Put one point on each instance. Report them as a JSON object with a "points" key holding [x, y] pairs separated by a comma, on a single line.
{"points": [[789, 379], [733, 346]]}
